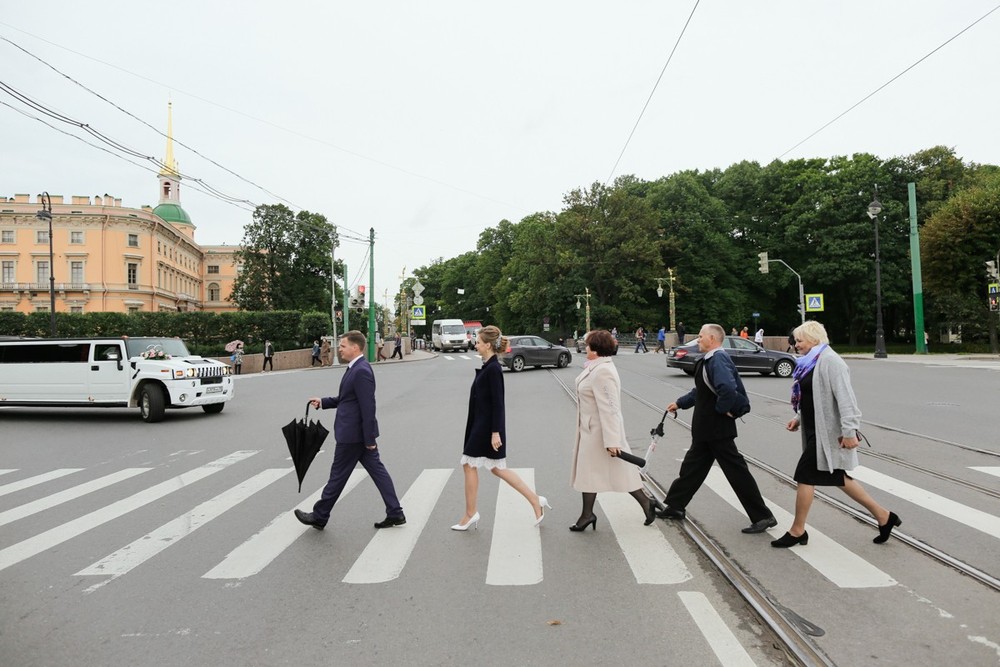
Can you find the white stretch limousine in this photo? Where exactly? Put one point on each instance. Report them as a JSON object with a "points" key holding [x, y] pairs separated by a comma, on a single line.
{"points": [[149, 373]]}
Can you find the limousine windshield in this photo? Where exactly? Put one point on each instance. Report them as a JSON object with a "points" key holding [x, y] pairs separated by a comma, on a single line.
{"points": [[175, 347]]}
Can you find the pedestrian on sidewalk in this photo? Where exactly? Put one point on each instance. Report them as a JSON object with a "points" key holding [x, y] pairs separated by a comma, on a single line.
{"points": [[397, 347], [640, 341], [661, 340], [317, 349], [827, 413], [326, 353], [759, 336], [718, 399], [355, 430], [680, 333], [379, 345], [268, 356]]}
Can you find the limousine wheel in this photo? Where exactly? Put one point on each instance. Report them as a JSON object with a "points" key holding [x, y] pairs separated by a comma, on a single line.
{"points": [[213, 408], [151, 403]]}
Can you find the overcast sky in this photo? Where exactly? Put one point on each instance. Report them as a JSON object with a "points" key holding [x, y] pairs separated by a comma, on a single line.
{"points": [[431, 121]]}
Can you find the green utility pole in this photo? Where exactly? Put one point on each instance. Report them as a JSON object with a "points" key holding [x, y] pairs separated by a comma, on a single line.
{"points": [[371, 291], [347, 303], [918, 289]]}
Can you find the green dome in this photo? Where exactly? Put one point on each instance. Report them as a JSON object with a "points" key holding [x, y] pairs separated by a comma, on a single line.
{"points": [[172, 213]]}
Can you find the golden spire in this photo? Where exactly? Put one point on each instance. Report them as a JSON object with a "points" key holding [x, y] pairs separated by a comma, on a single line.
{"points": [[169, 164]]}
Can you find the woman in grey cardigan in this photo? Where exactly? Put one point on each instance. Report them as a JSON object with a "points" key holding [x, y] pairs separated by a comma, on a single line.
{"points": [[829, 416]]}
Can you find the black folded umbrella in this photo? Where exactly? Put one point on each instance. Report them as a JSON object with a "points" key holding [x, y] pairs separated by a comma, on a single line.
{"points": [[304, 440], [631, 458], [656, 432]]}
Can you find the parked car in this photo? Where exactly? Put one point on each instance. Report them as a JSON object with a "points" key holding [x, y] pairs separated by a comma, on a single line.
{"points": [[748, 356], [526, 351]]}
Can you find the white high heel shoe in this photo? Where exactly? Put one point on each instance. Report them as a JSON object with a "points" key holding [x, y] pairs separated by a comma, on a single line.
{"points": [[473, 523], [543, 502]]}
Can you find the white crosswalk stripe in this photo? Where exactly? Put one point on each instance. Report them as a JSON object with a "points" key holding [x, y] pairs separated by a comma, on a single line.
{"points": [[257, 553], [7, 470], [36, 480], [652, 559], [35, 545], [516, 548], [989, 470], [718, 635], [147, 546], [73, 493], [835, 562]]}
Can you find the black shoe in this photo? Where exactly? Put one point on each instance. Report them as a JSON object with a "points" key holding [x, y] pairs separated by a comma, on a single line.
{"points": [[650, 514], [579, 528], [669, 512], [762, 525], [789, 540], [391, 521], [886, 530], [310, 519]]}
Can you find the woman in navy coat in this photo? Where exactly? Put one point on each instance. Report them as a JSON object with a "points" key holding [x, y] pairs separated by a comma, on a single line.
{"points": [[486, 432]]}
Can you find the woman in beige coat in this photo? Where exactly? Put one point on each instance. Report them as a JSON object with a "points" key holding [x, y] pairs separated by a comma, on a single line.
{"points": [[600, 434]]}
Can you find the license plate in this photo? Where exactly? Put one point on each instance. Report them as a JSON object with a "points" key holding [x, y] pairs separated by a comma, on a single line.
{"points": [[213, 390]]}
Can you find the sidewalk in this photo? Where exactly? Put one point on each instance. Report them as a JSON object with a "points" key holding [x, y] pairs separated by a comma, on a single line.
{"points": [[991, 361]]}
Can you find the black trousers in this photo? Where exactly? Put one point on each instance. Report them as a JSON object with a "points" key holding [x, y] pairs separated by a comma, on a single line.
{"points": [[268, 361], [696, 465]]}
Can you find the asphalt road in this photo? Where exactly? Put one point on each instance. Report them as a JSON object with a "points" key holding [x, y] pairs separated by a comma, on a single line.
{"points": [[187, 556]]}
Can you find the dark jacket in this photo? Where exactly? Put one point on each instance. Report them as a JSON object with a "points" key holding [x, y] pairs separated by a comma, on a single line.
{"points": [[355, 422], [718, 390], [486, 412]]}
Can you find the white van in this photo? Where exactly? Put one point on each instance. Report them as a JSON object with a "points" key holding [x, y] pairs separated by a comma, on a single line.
{"points": [[448, 335], [152, 374]]}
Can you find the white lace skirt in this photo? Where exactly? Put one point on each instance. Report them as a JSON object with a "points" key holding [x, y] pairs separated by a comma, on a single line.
{"points": [[483, 462]]}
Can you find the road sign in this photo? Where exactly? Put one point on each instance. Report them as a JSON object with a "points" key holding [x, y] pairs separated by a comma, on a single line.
{"points": [[418, 312], [417, 288], [419, 300], [994, 288], [418, 323], [814, 303], [756, 314]]}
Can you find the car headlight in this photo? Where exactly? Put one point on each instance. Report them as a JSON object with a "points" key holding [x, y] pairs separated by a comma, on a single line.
{"points": [[190, 373]]}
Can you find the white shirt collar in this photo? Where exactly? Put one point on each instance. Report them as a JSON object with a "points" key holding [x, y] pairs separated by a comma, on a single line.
{"points": [[354, 361]]}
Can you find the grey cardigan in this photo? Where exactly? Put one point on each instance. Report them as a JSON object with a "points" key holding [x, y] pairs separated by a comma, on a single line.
{"points": [[837, 413]]}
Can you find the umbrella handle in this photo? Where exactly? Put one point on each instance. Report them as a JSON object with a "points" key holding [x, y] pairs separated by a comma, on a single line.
{"points": [[308, 404]]}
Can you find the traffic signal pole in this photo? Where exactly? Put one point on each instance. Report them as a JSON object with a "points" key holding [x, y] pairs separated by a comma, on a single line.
{"points": [[347, 302], [918, 289], [371, 290]]}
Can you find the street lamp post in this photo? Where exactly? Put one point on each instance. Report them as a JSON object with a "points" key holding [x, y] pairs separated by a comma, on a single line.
{"points": [[586, 296], [873, 210], [46, 214], [659, 293]]}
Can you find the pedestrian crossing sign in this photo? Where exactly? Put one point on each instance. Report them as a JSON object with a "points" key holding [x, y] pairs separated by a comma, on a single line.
{"points": [[418, 312], [994, 288], [814, 303]]}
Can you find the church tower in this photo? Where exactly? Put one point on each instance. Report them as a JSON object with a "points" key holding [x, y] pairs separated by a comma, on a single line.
{"points": [[169, 208]]}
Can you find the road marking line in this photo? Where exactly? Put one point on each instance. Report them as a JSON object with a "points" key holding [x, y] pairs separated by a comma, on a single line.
{"points": [[971, 517], [72, 493], [7, 470], [718, 635], [989, 470], [36, 480], [448, 357], [260, 550], [386, 554], [649, 554], [516, 548], [139, 551], [35, 545], [835, 562], [466, 357]]}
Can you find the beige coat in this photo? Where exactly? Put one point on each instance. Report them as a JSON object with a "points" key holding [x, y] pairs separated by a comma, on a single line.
{"points": [[599, 425]]}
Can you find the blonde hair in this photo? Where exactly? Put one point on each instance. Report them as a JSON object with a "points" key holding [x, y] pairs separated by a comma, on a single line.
{"points": [[812, 332], [491, 336]]}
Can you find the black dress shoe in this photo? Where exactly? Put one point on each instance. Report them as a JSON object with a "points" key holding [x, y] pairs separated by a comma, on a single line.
{"points": [[762, 525], [886, 530], [310, 519], [669, 512], [789, 540], [391, 521]]}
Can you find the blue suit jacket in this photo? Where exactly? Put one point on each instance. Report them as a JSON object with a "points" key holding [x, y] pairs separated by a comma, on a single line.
{"points": [[355, 422]]}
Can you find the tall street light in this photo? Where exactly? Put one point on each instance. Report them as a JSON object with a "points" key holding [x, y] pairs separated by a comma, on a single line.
{"points": [[586, 296], [46, 214], [659, 293], [873, 210]]}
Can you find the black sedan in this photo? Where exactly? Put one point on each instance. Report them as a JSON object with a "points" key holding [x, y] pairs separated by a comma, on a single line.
{"points": [[748, 356], [526, 351]]}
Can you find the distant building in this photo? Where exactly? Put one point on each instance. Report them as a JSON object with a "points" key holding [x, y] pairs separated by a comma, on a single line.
{"points": [[111, 258]]}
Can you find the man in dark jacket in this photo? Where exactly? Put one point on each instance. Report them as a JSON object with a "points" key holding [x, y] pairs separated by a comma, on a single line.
{"points": [[718, 399], [355, 430]]}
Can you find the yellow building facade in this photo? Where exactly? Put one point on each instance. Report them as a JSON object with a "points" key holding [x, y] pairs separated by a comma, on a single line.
{"points": [[107, 257]]}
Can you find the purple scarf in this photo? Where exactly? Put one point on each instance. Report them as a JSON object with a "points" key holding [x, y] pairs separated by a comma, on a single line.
{"points": [[802, 369]]}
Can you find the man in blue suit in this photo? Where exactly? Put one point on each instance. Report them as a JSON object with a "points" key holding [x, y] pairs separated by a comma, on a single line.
{"points": [[355, 430]]}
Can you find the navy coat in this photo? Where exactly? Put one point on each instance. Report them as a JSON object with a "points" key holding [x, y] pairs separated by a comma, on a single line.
{"points": [[486, 413], [355, 422]]}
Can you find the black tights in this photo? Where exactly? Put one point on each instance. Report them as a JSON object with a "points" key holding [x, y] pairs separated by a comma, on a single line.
{"points": [[590, 498]]}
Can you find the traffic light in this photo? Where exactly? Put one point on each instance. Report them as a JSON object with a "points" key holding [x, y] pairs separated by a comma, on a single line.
{"points": [[763, 261], [994, 303], [991, 270], [362, 304]]}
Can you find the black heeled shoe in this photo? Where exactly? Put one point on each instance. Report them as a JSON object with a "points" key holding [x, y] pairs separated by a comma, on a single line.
{"points": [[650, 515], [789, 540], [577, 528], [886, 530]]}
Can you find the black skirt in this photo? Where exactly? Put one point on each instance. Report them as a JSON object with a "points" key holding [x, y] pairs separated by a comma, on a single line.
{"points": [[807, 471]]}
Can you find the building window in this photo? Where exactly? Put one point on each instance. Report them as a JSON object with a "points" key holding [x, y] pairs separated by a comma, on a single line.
{"points": [[43, 272], [8, 276], [42, 309], [6, 307], [7, 236], [76, 237], [42, 236], [213, 291], [133, 240], [76, 309], [133, 275], [134, 309], [213, 268], [76, 273]]}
